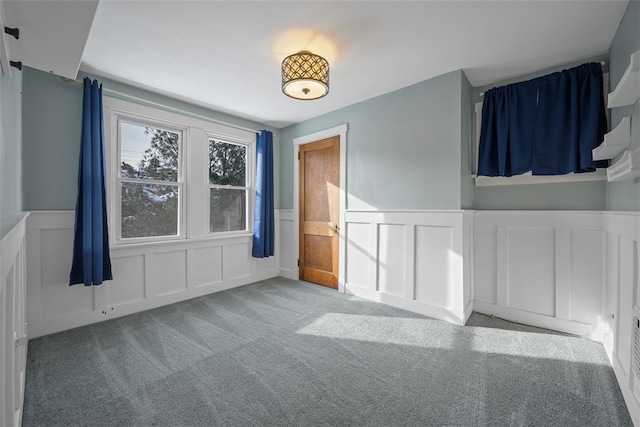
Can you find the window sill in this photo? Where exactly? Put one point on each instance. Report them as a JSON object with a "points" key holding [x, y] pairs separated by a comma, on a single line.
{"points": [[525, 179], [181, 243]]}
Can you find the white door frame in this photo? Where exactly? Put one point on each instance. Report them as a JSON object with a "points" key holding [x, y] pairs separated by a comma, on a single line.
{"points": [[341, 131]]}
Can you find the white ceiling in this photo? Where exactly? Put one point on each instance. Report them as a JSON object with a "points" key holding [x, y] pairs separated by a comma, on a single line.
{"points": [[226, 55]]}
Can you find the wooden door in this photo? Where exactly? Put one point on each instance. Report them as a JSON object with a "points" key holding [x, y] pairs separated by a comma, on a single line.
{"points": [[319, 211]]}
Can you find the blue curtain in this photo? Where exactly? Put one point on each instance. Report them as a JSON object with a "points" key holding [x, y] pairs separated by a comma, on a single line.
{"points": [[547, 125], [263, 223], [91, 263]]}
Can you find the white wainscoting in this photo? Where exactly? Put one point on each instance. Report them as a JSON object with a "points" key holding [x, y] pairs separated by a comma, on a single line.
{"points": [[541, 268], [622, 279], [13, 333], [145, 275], [415, 260], [286, 245]]}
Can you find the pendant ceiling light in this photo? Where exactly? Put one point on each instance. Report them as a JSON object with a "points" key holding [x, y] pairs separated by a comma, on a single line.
{"points": [[305, 76]]}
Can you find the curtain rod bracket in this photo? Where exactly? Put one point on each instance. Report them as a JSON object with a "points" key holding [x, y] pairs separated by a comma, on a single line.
{"points": [[17, 64], [15, 32]]}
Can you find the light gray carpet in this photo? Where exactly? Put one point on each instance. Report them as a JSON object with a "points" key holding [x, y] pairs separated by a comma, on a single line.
{"points": [[287, 353]]}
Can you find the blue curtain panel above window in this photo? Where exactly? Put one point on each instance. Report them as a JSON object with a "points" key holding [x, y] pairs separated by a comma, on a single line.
{"points": [[547, 125]]}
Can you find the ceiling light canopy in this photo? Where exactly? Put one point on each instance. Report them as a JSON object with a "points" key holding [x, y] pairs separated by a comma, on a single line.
{"points": [[305, 76]]}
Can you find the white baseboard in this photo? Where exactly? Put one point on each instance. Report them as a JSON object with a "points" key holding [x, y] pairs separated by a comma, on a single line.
{"points": [[468, 311], [534, 319], [629, 398], [440, 313], [75, 320], [289, 274]]}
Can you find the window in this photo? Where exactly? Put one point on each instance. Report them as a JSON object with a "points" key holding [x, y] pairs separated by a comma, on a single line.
{"points": [[228, 190], [149, 181], [175, 177]]}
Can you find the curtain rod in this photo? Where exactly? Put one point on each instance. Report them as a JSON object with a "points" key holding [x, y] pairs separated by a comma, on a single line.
{"points": [[601, 63], [168, 107]]}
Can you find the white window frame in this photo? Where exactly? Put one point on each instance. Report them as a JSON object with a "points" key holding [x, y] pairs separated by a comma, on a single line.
{"points": [[528, 178], [250, 167], [193, 215], [171, 127]]}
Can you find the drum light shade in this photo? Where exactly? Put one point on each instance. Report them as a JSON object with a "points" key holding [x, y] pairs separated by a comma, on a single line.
{"points": [[305, 76]]}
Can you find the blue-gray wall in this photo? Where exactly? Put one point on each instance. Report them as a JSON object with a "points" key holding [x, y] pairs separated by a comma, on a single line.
{"points": [[51, 141], [625, 195], [10, 151], [403, 151], [412, 149], [467, 143], [52, 110], [560, 196]]}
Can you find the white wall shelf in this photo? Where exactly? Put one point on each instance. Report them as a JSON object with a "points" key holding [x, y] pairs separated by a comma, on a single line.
{"points": [[628, 167], [627, 92], [615, 141], [528, 178]]}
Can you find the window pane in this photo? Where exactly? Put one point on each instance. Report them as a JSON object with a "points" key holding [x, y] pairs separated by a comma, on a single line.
{"points": [[148, 153], [149, 210], [228, 209], [227, 163]]}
